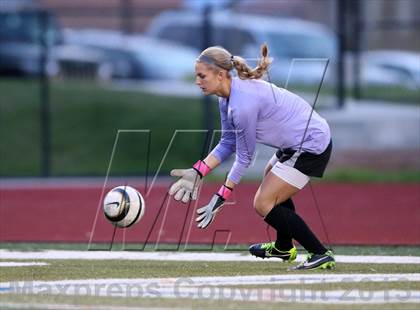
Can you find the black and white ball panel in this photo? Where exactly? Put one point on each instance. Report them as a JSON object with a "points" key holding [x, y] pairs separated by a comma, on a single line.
{"points": [[123, 206]]}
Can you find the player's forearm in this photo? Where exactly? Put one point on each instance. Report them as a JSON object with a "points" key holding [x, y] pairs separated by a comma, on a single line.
{"points": [[211, 161], [229, 184]]}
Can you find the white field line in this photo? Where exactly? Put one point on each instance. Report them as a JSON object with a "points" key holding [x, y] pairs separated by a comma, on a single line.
{"points": [[14, 305], [217, 288], [293, 278], [21, 264], [190, 256]]}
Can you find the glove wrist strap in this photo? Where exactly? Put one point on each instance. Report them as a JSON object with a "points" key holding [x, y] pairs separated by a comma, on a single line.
{"points": [[224, 192], [201, 168]]}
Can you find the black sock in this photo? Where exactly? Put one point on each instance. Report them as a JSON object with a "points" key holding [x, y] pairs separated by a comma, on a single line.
{"points": [[291, 225], [288, 204], [284, 239]]}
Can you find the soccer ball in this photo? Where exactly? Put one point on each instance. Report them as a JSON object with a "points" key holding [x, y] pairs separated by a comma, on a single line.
{"points": [[123, 206]]}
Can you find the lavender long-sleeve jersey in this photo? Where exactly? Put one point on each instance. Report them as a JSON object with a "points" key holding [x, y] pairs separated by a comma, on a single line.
{"points": [[260, 112]]}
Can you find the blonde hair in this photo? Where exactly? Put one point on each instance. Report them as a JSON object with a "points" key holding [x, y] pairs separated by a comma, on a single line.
{"points": [[219, 57]]}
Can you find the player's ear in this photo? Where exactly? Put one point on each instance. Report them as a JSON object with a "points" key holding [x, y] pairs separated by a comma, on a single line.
{"points": [[221, 75]]}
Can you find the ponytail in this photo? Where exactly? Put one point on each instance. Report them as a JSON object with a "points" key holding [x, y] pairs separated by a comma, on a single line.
{"points": [[245, 72], [220, 58]]}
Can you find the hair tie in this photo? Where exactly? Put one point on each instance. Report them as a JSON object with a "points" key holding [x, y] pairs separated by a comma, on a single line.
{"points": [[231, 58]]}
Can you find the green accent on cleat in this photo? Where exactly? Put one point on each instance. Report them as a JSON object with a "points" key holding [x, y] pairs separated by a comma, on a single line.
{"points": [[327, 265], [317, 261], [269, 250]]}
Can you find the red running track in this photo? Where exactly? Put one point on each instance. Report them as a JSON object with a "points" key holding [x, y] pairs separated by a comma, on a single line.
{"points": [[356, 214]]}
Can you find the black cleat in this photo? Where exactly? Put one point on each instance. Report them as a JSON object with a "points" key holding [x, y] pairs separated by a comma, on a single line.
{"points": [[268, 250], [317, 261]]}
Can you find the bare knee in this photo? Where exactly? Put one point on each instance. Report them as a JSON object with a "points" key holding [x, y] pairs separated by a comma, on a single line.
{"points": [[263, 206], [272, 191]]}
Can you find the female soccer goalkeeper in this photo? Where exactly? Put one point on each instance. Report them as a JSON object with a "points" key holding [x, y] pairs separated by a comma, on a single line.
{"points": [[253, 110]]}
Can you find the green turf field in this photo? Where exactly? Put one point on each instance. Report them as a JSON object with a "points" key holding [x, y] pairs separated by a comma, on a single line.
{"points": [[157, 274], [86, 269], [91, 269]]}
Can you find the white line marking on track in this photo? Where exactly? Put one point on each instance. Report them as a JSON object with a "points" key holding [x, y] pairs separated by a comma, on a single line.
{"points": [[191, 256], [21, 264], [13, 305], [294, 278]]}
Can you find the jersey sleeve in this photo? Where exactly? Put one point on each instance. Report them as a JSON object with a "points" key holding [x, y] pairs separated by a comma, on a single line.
{"points": [[245, 121], [226, 145]]}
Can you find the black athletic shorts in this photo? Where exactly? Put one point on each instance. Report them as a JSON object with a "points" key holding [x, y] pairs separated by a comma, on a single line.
{"points": [[311, 164]]}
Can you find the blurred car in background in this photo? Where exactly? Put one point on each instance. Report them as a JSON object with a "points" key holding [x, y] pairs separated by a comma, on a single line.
{"points": [[402, 67], [20, 41], [135, 56], [27, 33], [385, 68], [311, 44], [86, 54]]}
